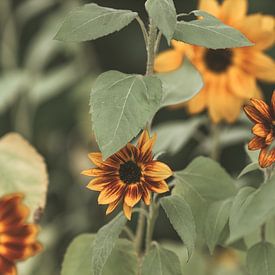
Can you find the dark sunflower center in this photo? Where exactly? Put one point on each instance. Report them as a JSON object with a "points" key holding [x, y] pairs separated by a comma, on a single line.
{"points": [[218, 61], [129, 172]]}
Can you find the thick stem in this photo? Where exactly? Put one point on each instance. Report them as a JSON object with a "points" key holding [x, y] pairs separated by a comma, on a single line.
{"points": [[215, 138], [152, 36], [140, 230]]}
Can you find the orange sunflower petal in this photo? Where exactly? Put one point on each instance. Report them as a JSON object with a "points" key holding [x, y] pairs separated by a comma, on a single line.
{"points": [[144, 137], [99, 183], [111, 193], [211, 6], [253, 114], [169, 60], [233, 10], [266, 158], [256, 143], [273, 103], [157, 171], [7, 267], [146, 154], [269, 138], [133, 195], [158, 187], [146, 195], [260, 130], [262, 107], [112, 206], [96, 158], [127, 211], [198, 103]]}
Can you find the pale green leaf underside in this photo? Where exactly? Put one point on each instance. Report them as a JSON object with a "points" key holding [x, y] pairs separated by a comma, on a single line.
{"points": [[209, 32], [260, 259], [160, 261], [180, 85], [121, 105], [163, 14], [249, 168], [78, 257], [250, 209], [91, 21], [181, 218], [104, 243], [23, 170]]}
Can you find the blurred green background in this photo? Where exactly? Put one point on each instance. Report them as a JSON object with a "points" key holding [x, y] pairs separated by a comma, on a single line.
{"points": [[44, 95]]}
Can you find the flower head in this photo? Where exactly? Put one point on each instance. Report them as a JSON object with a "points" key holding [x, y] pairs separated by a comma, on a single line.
{"points": [[264, 129], [128, 176], [17, 238], [229, 74]]}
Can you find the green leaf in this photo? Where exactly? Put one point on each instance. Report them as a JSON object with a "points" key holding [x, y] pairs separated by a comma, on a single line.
{"points": [[121, 104], [23, 170], [217, 217], [208, 179], [250, 209], [11, 84], [249, 168], [164, 16], [181, 218], [253, 155], [160, 261], [180, 85], [77, 258], [260, 259], [104, 243], [91, 21], [209, 32], [173, 136]]}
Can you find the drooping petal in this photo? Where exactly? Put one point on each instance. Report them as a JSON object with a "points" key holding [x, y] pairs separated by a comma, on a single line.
{"points": [[112, 206], [127, 211], [167, 61], [111, 194], [158, 186], [233, 10], [266, 157], [260, 130], [157, 171], [262, 107], [133, 194], [256, 143], [211, 6], [253, 114], [7, 267], [146, 194]]}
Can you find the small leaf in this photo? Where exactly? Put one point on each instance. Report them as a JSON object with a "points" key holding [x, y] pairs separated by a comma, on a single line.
{"points": [[208, 179], [181, 217], [173, 136], [121, 104], [180, 85], [249, 168], [253, 155], [217, 217], [250, 209], [91, 21], [160, 261], [209, 32], [260, 259], [104, 243], [164, 16], [77, 258], [23, 170]]}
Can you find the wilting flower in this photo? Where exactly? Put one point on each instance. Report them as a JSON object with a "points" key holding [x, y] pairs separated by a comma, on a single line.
{"points": [[264, 130], [229, 74], [17, 238], [128, 176]]}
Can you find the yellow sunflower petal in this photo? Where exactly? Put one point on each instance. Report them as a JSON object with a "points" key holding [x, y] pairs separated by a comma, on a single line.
{"points": [[168, 61], [157, 171], [211, 6], [198, 103], [96, 158], [111, 193], [231, 107], [260, 130], [144, 137], [233, 10], [146, 154], [146, 195], [112, 206], [127, 211], [133, 195], [273, 103], [99, 183], [158, 186]]}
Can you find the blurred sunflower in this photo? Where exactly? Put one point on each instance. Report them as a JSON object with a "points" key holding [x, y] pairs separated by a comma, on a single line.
{"points": [[17, 238], [129, 175], [264, 130], [229, 74]]}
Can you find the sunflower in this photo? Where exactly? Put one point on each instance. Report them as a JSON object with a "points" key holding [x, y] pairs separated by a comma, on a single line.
{"points": [[264, 130], [229, 74], [129, 175], [17, 238]]}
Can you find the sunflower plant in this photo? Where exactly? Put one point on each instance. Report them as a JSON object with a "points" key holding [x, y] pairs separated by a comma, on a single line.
{"points": [[202, 201]]}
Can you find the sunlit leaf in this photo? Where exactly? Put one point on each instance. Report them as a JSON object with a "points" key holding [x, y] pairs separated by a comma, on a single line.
{"points": [[91, 21], [209, 32], [121, 105]]}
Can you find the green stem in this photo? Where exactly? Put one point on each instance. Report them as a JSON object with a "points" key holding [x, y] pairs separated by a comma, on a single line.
{"points": [[140, 230], [152, 36], [215, 138], [143, 29]]}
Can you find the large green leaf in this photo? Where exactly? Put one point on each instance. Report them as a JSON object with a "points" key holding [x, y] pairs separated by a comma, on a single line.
{"points": [[260, 259], [251, 208], [163, 14], [181, 217], [22, 169], [180, 85], [207, 178], [91, 21], [77, 259], [209, 32], [161, 261], [121, 104], [172, 136], [217, 217], [104, 243]]}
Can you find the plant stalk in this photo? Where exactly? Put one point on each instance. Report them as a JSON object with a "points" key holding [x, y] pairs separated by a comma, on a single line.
{"points": [[152, 37], [215, 136]]}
